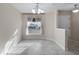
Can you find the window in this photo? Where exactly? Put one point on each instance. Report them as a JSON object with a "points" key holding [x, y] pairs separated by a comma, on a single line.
{"points": [[34, 26]]}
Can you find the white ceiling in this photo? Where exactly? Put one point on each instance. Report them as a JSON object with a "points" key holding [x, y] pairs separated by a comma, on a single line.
{"points": [[27, 7]]}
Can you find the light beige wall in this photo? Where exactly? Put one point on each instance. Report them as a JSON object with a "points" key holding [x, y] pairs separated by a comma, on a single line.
{"points": [[60, 37], [74, 43], [10, 20], [50, 25], [75, 28], [24, 24], [52, 33]]}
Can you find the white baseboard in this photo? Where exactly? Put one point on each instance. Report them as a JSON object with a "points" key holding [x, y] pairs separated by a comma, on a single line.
{"points": [[60, 45], [56, 43]]}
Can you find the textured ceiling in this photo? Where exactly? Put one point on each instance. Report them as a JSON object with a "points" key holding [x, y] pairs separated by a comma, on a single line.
{"points": [[27, 7]]}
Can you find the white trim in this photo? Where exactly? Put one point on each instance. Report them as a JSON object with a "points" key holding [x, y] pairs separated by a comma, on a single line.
{"points": [[54, 40], [59, 44]]}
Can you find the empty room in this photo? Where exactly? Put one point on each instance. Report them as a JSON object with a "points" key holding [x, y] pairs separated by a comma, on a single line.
{"points": [[39, 28]]}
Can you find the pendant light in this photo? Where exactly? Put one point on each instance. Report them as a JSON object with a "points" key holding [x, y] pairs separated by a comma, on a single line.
{"points": [[37, 10]]}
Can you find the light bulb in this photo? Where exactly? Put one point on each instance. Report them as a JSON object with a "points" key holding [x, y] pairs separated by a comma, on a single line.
{"points": [[75, 11], [33, 11], [37, 11], [40, 11]]}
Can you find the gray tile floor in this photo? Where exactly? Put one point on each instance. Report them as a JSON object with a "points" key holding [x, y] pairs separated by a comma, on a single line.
{"points": [[38, 47]]}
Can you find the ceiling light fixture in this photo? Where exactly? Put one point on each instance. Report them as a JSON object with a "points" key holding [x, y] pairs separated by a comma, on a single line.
{"points": [[37, 10], [75, 10]]}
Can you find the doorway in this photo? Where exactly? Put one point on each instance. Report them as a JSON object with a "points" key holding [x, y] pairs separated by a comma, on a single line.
{"points": [[63, 22]]}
